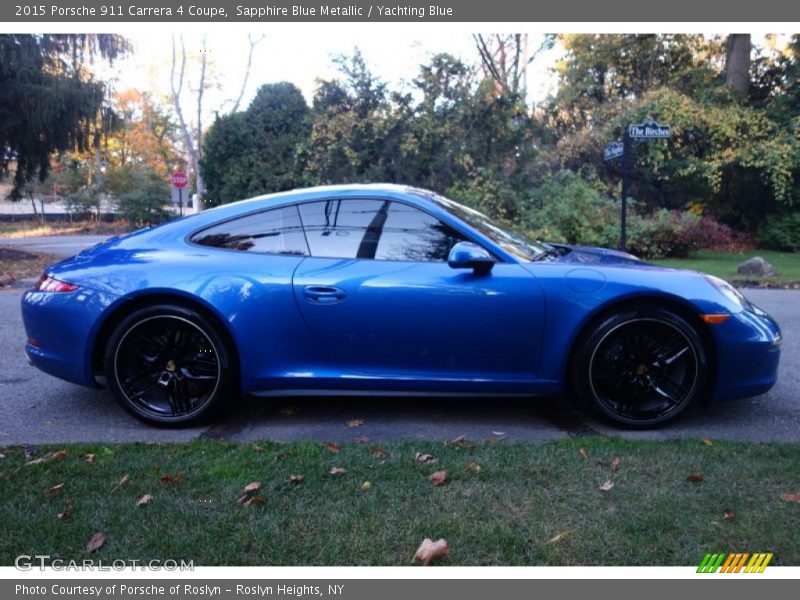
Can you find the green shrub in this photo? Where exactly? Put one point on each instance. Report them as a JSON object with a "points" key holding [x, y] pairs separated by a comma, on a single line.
{"points": [[780, 232], [573, 212], [145, 206]]}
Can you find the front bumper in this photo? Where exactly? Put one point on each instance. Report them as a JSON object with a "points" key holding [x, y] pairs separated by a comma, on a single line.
{"points": [[748, 352]]}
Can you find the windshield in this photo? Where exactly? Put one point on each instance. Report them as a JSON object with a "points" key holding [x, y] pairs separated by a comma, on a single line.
{"points": [[513, 242]]}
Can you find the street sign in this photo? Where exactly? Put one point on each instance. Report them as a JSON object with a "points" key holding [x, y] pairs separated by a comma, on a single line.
{"points": [[179, 179], [613, 150], [648, 130]]}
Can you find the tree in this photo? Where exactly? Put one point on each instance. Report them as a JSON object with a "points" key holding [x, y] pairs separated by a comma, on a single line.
{"points": [[49, 101], [601, 69], [737, 62], [253, 152], [192, 132], [506, 58]]}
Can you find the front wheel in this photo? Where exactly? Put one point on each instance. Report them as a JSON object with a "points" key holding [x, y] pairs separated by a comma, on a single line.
{"points": [[168, 365], [641, 367]]}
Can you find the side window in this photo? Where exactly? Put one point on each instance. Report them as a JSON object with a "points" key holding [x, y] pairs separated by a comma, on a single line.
{"points": [[276, 231], [375, 229]]}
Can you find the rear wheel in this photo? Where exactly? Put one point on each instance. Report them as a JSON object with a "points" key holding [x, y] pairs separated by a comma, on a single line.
{"points": [[168, 365], [641, 367]]}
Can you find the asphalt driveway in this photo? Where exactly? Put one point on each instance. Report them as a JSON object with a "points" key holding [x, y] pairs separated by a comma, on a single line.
{"points": [[36, 408]]}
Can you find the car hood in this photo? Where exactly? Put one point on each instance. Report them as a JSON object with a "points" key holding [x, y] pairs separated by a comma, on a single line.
{"points": [[594, 256]]}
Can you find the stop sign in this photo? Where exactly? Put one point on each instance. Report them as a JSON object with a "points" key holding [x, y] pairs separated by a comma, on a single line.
{"points": [[179, 179]]}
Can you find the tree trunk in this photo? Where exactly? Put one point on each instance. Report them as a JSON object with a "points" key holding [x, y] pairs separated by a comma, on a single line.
{"points": [[737, 62]]}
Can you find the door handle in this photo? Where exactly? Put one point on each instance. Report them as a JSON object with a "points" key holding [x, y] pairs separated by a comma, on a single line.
{"points": [[320, 294]]}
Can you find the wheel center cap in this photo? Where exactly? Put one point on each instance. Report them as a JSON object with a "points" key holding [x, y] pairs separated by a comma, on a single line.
{"points": [[171, 365], [641, 369]]}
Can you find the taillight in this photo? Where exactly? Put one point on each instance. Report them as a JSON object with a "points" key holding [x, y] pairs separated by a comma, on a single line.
{"points": [[49, 284]]}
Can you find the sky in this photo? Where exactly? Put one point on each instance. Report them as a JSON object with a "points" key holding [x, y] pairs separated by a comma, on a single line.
{"points": [[287, 54]]}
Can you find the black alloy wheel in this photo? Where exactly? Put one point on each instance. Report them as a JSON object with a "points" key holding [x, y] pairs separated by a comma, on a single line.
{"points": [[642, 367], [168, 365]]}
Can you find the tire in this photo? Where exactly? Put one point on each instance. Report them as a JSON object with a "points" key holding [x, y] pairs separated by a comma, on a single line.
{"points": [[169, 365], [641, 367]]}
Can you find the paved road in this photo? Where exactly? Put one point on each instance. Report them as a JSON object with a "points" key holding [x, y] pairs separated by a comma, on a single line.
{"points": [[36, 408], [61, 245]]}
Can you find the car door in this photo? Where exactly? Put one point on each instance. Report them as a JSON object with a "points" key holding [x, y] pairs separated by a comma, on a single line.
{"points": [[380, 299]]}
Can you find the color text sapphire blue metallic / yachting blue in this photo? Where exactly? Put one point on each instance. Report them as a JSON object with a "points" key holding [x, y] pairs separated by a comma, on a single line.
{"points": [[384, 289]]}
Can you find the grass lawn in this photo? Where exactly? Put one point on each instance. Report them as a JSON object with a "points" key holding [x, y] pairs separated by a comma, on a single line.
{"points": [[724, 264], [18, 229], [500, 505]]}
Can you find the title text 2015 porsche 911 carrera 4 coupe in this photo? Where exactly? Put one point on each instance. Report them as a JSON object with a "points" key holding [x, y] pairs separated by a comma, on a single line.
{"points": [[387, 290]]}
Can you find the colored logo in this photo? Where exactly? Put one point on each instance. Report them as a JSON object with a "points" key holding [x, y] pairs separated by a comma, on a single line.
{"points": [[735, 562]]}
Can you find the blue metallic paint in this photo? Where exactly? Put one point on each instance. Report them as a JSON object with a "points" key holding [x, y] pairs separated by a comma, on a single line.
{"points": [[403, 326]]}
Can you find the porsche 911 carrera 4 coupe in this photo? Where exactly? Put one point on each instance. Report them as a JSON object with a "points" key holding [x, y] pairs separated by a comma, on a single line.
{"points": [[387, 290]]}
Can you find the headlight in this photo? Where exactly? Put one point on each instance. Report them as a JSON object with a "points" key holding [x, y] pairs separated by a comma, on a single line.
{"points": [[730, 292]]}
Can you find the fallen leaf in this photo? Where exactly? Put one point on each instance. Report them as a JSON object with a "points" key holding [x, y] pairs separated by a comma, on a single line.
{"points": [[498, 433], [464, 443], [790, 497], [98, 539], [366, 486], [379, 451], [708, 442], [67, 510], [36, 461], [254, 501], [54, 491], [583, 453], [337, 471], [144, 500], [256, 448], [355, 423], [2, 456], [473, 466], [89, 458], [120, 483], [252, 487], [60, 454], [296, 478], [287, 410], [429, 550], [607, 485], [560, 537], [729, 515], [362, 439], [332, 447], [694, 477], [438, 478], [615, 463], [425, 459], [173, 479]]}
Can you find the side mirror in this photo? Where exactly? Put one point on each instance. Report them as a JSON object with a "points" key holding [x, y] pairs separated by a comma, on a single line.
{"points": [[466, 255]]}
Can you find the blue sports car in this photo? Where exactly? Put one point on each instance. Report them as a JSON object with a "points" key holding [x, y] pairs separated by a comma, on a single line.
{"points": [[387, 290]]}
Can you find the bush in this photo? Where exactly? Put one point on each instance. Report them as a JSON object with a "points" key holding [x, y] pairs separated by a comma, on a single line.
{"points": [[674, 233], [573, 212], [780, 232], [145, 206]]}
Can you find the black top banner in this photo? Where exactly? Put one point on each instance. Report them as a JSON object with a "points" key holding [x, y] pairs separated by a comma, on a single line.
{"points": [[266, 11]]}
